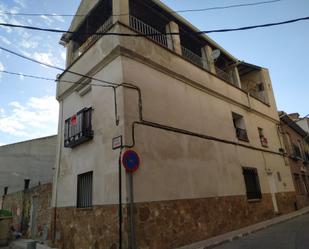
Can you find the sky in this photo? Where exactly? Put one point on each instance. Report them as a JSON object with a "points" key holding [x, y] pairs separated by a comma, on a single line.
{"points": [[28, 108]]}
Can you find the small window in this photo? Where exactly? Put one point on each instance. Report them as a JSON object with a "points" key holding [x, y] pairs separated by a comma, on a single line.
{"points": [[252, 183], [240, 128], [296, 152], [279, 176], [84, 190], [78, 128], [263, 139]]}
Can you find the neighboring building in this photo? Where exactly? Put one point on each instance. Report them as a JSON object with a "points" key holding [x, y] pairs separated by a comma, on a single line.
{"points": [[303, 123], [297, 149], [26, 172], [206, 131]]}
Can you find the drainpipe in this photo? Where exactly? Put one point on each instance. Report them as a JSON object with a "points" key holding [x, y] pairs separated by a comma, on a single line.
{"points": [[57, 173]]}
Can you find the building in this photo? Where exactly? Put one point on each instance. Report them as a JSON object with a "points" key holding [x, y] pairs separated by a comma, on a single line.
{"points": [[303, 122], [297, 149], [204, 124], [26, 185]]}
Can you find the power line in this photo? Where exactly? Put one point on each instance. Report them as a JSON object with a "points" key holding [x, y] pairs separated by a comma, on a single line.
{"points": [[58, 68], [156, 34], [47, 79], [125, 14]]}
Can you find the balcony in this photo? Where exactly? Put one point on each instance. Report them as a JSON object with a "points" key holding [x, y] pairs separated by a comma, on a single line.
{"points": [[143, 28], [78, 128]]}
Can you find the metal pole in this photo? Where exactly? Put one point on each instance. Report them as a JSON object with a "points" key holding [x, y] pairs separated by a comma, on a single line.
{"points": [[132, 224], [120, 201]]}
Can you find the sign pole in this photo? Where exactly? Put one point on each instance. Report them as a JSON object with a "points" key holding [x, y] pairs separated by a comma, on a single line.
{"points": [[131, 162], [132, 223]]}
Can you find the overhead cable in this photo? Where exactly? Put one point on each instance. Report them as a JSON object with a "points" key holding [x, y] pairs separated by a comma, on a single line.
{"points": [[56, 67], [126, 14], [156, 34]]}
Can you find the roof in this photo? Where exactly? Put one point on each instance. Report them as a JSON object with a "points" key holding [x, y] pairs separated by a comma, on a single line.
{"points": [[292, 124]]}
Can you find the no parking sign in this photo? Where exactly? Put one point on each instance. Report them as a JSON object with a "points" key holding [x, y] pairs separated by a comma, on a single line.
{"points": [[130, 161]]}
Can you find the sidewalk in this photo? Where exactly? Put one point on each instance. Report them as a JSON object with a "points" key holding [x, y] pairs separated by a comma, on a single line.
{"points": [[26, 244], [215, 241]]}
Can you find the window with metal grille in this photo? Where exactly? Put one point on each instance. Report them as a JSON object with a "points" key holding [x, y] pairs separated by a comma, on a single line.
{"points": [[240, 128], [252, 183], [84, 190], [78, 128]]}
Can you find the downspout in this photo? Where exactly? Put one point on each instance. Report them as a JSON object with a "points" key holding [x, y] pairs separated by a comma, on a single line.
{"points": [[58, 169]]}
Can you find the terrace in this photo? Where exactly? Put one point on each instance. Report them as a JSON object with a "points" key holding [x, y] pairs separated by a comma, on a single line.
{"points": [[150, 18]]}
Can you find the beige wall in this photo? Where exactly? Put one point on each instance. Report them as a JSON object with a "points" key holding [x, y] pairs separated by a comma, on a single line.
{"points": [[181, 166], [174, 93], [96, 155]]}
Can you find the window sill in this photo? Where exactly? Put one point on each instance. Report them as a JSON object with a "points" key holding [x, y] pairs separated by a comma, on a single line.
{"points": [[84, 209], [243, 140], [254, 200]]}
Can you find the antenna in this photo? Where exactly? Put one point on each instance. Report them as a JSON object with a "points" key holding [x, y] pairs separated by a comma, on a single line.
{"points": [[215, 54]]}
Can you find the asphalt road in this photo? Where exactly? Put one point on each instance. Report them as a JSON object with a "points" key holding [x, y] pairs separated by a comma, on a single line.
{"points": [[293, 234]]}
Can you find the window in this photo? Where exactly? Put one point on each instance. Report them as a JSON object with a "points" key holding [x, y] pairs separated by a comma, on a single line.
{"points": [[307, 157], [263, 139], [298, 187], [240, 128], [296, 152], [305, 184], [84, 190], [252, 183], [78, 128], [279, 176]]}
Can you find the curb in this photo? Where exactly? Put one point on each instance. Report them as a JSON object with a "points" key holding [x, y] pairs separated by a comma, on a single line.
{"points": [[243, 232]]}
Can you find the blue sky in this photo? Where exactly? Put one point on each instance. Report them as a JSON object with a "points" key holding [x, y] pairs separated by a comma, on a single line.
{"points": [[28, 108]]}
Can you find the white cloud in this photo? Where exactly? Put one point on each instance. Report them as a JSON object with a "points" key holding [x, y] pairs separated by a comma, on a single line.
{"points": [[1, 69], [29, 44], [21, 3], [48, 20], [58, 18], [5, 40], [38, 117], [46, 58]]}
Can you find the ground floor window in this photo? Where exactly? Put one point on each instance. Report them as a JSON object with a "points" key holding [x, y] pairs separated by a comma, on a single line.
{"points": [[84, 190], [252, 183]]}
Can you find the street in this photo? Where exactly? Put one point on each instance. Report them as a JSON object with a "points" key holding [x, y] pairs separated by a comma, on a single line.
{"points": [[293, 234]]}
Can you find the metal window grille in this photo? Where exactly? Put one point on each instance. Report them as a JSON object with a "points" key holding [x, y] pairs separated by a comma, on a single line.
{"points": [[252, 183], [78, 128], [84, 190]]}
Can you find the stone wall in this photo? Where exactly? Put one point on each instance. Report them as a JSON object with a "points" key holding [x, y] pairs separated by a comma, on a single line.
{"points": [[33, 222], [95, 228], [286, 202], [163, 224]]}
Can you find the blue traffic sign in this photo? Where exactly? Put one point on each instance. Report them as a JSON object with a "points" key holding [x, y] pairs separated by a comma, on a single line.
{"points": [[130, 161]]}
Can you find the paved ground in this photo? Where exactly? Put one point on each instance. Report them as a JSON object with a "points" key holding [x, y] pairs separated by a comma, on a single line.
{"points": [[293, 234]]}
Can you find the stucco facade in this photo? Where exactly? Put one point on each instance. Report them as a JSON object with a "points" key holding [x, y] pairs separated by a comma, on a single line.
{"points": [[182, 117]]}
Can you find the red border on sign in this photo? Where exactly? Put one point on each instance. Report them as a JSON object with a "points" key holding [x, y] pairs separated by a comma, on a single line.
{"points": [[130, 170]]}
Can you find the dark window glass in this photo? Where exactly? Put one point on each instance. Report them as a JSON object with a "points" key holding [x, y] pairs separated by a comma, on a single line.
{"points": [[252, 183]]}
